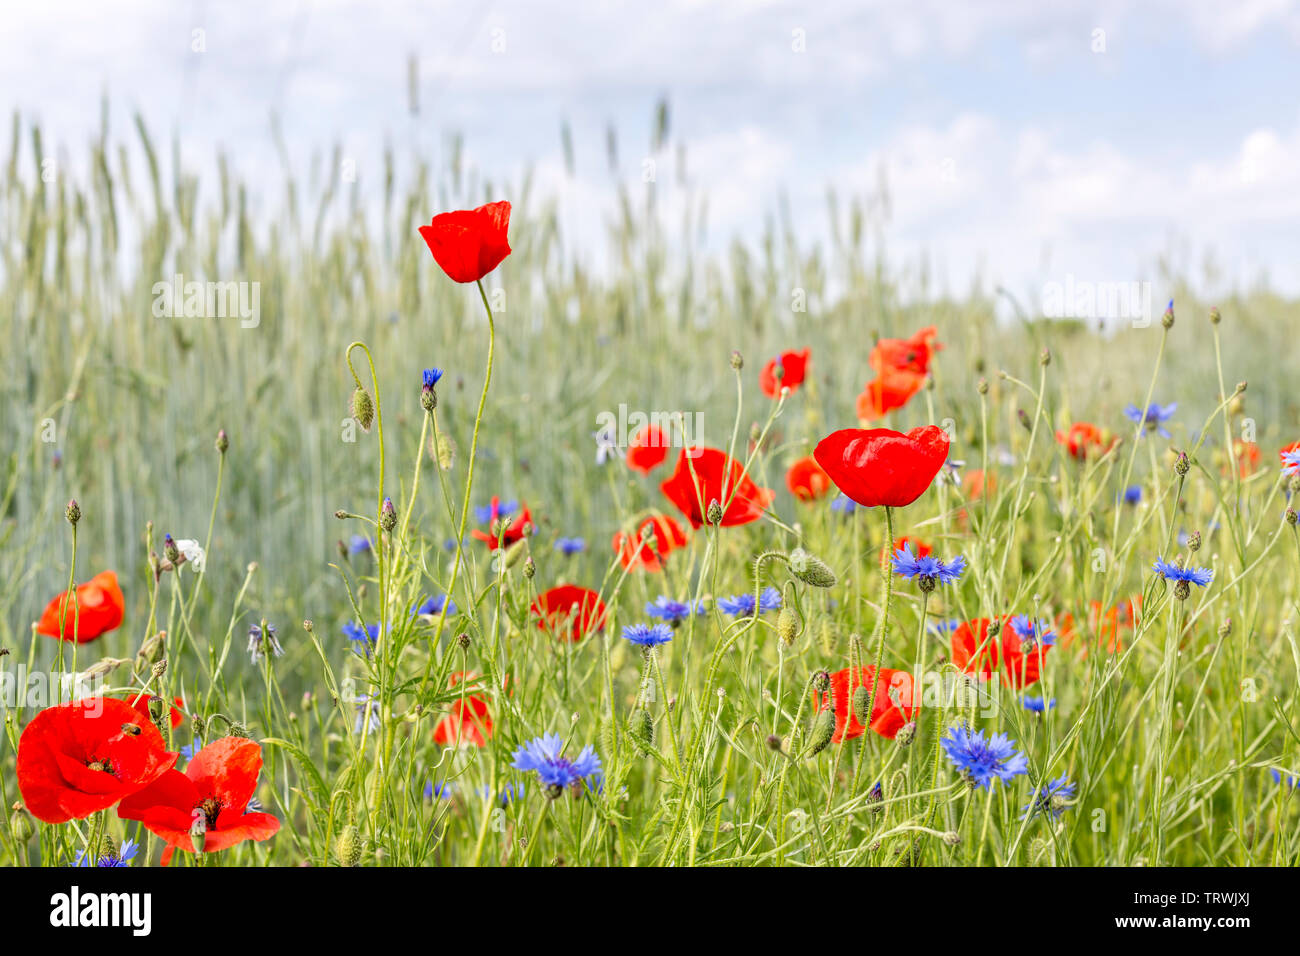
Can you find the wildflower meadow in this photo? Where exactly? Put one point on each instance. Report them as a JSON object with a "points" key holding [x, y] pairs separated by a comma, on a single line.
{"points": [[336, 540]]}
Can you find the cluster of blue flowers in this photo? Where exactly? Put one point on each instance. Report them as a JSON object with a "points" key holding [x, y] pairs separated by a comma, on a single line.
{"points": [[742, 605], [674, 612]]}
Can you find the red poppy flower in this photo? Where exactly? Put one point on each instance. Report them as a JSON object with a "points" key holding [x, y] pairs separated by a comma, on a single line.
{"points": [[1084, 439], [504, 531], [647, 449], [469, 243], [98, 609], [216, 787], [1108, 626], [569, 612], [140, 702], [1294, 446], [807, 480], [469, 721], [919, 549], [1248, 457], [891, 389], [879, 466], [704, 475], [891, 708], [84, 756], [787, 370], [975, 653], [906, 355], [659, 536]]}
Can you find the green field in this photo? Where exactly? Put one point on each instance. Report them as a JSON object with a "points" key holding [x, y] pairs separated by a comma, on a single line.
{"points": [[1171, 742]]}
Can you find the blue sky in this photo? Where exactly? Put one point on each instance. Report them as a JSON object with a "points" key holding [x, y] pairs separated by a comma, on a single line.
{"points": [[1014, 151]]}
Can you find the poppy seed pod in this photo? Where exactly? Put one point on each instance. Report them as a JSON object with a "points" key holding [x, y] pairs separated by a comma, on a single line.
{"points": [[363, 408], [811, 569]]}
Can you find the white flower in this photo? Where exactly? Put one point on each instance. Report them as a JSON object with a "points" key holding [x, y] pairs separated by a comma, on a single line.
{"points": [[194, 554]]}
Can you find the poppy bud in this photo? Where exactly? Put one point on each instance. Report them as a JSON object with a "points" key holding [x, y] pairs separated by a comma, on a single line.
{"points": [[642, 730], [347, 848], [906, 734], [73, 512], [20, 822], [737, 360], [223, 441], [823, 729], [516, 551], [714, 513], [862, 704], [157, 710], [787, 626], [811, 569], [363, 409], [388, 515], [1215, 317]]}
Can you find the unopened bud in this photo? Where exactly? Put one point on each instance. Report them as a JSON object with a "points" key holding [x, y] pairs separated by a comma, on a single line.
{"points": [[223, 441], [529, 567], [73, 512], [811, 569], [787, 626], [1183, 464], [823, 729], [1045, 357], [363, 409], [347, 848], [906, 734], [388, 515], [737, 360], [1215, 317], [714, 513]]}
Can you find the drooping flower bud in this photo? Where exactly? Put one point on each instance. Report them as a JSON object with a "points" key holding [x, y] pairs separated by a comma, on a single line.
{"points": [[823, 729], [811, 569], [363, 408]]}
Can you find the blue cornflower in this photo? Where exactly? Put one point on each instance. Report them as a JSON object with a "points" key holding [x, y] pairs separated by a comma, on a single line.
{"points": [[504, 509], [742, 605], [510, 792], [648, 635], [1053, 797], [1291, 780], [1038, 705], [544, 755], [570, 546], [359, 544], [431, 377], [1291, 462], [189, 752], [121, 858], [843, 504], [981, 760], [929, 569], [263, 645], [1027, 630], [674, 612], [434, 605], [364, 637], [443, 791], [1154, 418], [1132, 494], [1172, 572]]}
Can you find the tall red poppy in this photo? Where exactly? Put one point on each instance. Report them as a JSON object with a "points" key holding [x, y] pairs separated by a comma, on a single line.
{"points": [[1083, 440], [807, 480], [647, 449], [879, 466], [704, 475], [84, 756], [504, 530], [648, 546], [787, 370], [976, 653], [97, 609], [469, 243], [469, 722], [569, 612], [891, 708], [891, 389], [906, 355], [216, 788]]}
